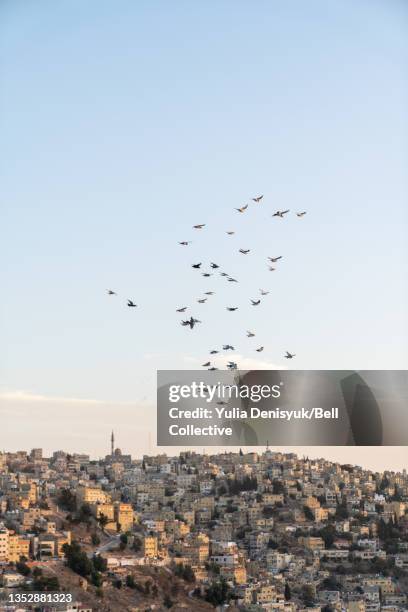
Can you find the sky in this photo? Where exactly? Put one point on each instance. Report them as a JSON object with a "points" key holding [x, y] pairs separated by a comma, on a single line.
{"points": [[125, 123]]}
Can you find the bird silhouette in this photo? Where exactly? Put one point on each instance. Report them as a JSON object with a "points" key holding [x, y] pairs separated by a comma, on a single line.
{"points": [[214, 265], [183, 309], [260, 349], [228, 347], [250, 334], [185, 242], [301, 214], [232, 308], [242, 209], [255, 303], [230, 233], [205, 365], [110, 292], [199, 226], [263, 292], [244, 251], [196, 266], [290, 355], [202, 301], [190, 322], [280, 213], [131, 304], [275, 259]]}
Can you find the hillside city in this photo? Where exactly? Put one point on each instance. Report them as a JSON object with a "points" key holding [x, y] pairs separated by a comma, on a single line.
{"points": [[232, 531]]}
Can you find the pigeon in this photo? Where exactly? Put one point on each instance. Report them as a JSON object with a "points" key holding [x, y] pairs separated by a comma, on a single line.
{"points": [[228, 347], [206, 274], [230, 233], [199, 226], [244, 251], [196, 266], [202, 301], [209, 293], [263, 292], [242, 209], [183, 309], [131, 304], [250, 334], [110, 292], [257, 199], [280, 213], [260, 349], [289, 355], [255, 303], [205, 365], [275, 259], [232, 308], [191, 322], [214, 265], [231, 365], [301, 214], [185, 242], [214, 352], [232, 280]]}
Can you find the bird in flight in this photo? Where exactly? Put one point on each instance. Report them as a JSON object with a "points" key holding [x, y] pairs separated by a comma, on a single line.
{"points": [[212, 369], [232, 280], [183, 309], [214, 352], [231, 365], [301, 214], [244, 251], [260, 349], [205, 365], [228, 347], [206, 274], [290, 355], [271, 269], [196, 266], [230, 233], [209, 293], [250, 334], [202, 301], [199, 226], [185, 242], [257, 199], [275, 259], [242, 209], [131, 304], [191, 322], [232, 308], [263, 292], [255, 303], [223, 274], [280, 213], [214, 265], [110, 292]]}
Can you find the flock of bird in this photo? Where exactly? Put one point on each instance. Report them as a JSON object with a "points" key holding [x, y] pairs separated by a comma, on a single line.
{"points": [[192, 321]]}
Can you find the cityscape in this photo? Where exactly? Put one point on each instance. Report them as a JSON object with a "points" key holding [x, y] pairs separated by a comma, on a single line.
{"points": [[240, 531]]}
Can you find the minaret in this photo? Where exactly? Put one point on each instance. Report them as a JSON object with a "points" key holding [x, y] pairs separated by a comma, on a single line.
{"points": [[112, 443]]}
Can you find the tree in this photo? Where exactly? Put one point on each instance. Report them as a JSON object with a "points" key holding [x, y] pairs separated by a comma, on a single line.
{"points": [[22, 568], [217, 593], [130, 581], [67, 500]]}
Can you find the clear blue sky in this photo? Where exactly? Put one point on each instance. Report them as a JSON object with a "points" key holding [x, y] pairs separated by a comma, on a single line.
{"points": [[124, 123]]}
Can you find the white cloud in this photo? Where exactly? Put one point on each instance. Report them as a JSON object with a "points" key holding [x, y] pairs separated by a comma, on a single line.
{"points": [[27, 396]]}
